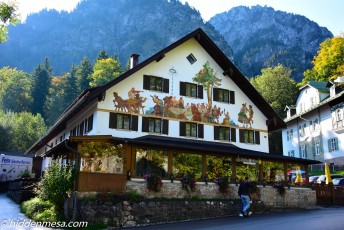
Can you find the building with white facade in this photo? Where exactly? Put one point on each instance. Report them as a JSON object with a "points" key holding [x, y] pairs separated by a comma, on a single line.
{"points": [[183, 110], [315, 124]]}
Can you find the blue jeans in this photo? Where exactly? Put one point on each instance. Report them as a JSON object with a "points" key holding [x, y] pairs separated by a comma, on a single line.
{"points": [[245, 199]]}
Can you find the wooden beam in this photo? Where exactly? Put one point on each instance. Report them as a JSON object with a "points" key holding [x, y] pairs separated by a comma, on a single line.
{"points": [[233, 169]]}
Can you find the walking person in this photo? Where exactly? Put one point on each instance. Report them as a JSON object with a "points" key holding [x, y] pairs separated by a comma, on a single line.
{"points": [[244, 193]]}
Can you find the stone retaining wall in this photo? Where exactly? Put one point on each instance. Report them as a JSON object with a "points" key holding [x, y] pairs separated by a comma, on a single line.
{"points": [[173, 203]]}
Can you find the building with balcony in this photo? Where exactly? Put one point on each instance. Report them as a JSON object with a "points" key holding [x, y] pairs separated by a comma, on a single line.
{"points": [[315, 124]]}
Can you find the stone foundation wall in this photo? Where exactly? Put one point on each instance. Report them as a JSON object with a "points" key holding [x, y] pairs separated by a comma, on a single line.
{"points": [[176, 204]]}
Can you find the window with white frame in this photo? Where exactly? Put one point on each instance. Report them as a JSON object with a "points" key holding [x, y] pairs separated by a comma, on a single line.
{"points": [[291, 153], [303, 151], [333, 144], [317, 148]]}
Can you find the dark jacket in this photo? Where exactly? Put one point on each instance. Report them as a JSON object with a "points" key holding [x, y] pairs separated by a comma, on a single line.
{"points": [[244, 188]]}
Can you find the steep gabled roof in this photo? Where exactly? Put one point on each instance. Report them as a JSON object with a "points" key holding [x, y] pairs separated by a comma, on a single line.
{"points": [[274, 122], [321, 86]]}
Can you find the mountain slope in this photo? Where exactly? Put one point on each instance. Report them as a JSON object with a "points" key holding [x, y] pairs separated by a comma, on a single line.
{"points": [[261, 37], [120, 27]]}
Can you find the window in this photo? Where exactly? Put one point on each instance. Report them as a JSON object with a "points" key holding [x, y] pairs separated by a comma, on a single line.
{"points": [[191, 90], [291, 153], [191, 58], [290, 135], [123, 121], [188, 129], [224, 95], [303, 151], [301, 130], [155, 83], [333, 144], [317, 148], [224, 133], [249, 136], [154, 125]]}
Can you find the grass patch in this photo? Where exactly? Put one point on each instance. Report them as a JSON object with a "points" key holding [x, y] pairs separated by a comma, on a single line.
{"points": [[40, 210]]}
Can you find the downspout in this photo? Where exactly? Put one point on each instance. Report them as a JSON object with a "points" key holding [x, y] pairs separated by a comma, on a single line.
{"points": [[77, 168]]}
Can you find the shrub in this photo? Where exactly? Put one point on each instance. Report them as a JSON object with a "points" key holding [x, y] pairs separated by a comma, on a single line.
{"points": [[56, 184], [39, 210], [25, 174]]}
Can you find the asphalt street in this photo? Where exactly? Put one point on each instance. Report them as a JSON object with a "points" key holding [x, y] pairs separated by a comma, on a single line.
{"points": [[322, 218]]}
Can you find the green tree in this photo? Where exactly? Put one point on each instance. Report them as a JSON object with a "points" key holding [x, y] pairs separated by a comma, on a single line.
{"points": [[329, 63], [15, 90], [20, 139], [71, 92], [104, 71], [55, 103], [102, 55], [8, 15], [41, 84], [84, 73], [208, 79], [276, 87]]}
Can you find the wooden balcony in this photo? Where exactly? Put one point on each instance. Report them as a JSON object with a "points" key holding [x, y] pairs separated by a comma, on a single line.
{"points": [[101, 182]]}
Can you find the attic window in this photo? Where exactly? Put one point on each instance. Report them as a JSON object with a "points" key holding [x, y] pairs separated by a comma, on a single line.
{"points": [[191, 58]]}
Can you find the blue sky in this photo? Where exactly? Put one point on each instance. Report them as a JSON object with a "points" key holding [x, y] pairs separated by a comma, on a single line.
{"points": [[327, 13]]}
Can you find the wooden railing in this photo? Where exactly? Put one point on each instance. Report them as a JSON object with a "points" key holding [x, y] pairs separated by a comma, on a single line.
{"points": [[330, 195], [101, 182]]}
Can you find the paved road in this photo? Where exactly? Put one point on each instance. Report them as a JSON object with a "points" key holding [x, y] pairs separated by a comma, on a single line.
{"points": [[11, 218], [322, 218]]}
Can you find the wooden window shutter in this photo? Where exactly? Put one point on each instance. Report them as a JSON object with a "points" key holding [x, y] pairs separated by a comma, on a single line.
{"points": [[200, 91], [134, 123], [231, 97], [165, 85], [233, 135], [216, 94], [113, 121], [146, 82], [216, 132], [241, 136], [182, 127], [337, 146], [145, 124], [257, 137], [182, 88], [165, 126], [200, 130], [90, 123]]}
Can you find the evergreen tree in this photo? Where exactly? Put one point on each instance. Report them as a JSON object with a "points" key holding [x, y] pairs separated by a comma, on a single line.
{"points": [[102, 55], [41, 84], [84, 73], [71, 88]]}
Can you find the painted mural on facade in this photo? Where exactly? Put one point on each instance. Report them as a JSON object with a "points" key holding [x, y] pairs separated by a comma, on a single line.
{"points": [[176, 107], [133, 104]]}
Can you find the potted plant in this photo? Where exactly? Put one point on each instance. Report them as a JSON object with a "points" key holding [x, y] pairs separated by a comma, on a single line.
{"points": [[154, 182], [188, 181], [223, 183]]}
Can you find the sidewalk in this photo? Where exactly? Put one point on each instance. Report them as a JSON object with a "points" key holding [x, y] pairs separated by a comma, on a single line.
{"points": [[10, 216]]}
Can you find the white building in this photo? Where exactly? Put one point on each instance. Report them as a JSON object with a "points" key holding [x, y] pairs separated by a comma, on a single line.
{"points": [[186, 101], [315, 124]]}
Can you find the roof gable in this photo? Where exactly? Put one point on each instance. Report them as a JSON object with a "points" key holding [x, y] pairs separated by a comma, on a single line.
{"points": [[274, 122]]}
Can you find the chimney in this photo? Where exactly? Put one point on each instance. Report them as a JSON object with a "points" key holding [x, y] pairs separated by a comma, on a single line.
{"points": [[134, 60]]}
